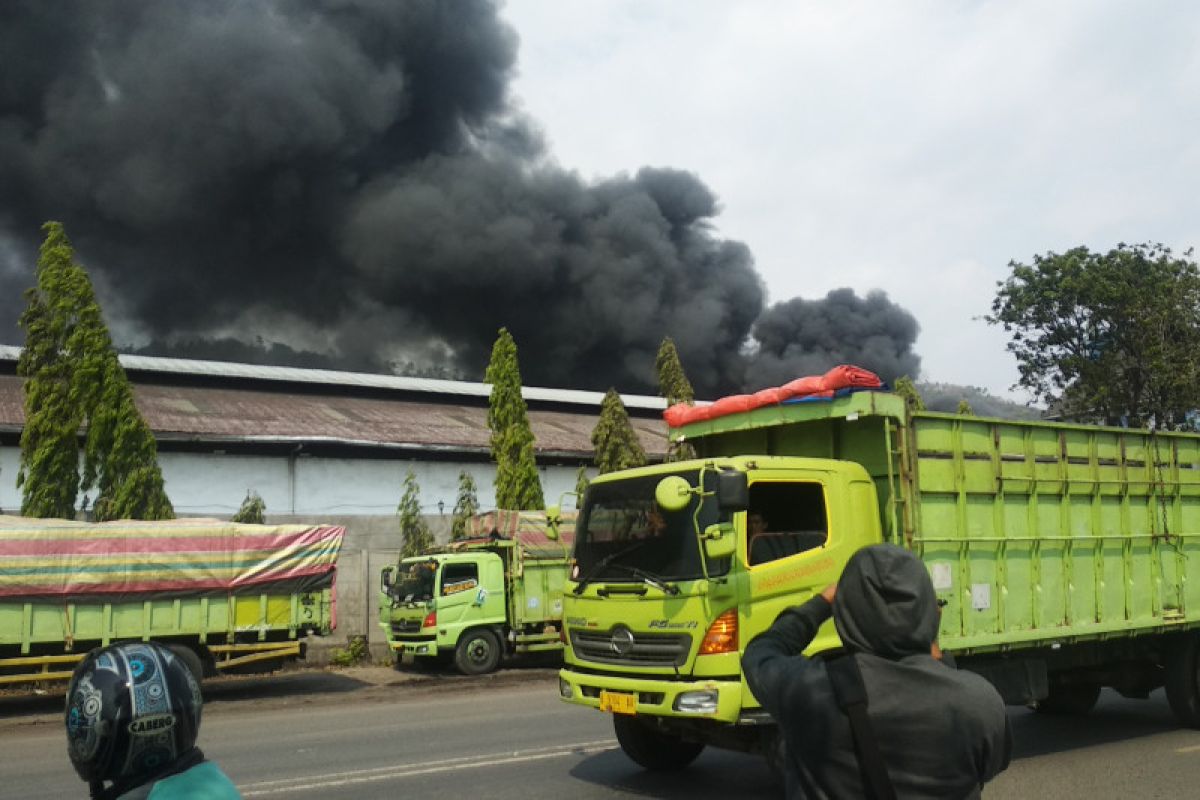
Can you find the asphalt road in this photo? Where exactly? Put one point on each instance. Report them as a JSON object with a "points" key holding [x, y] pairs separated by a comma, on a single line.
{"points": [[322, 735]]}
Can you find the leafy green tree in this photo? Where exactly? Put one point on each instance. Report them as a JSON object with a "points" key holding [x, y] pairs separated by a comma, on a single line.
{"points": [[415, 537], [73, 377], [253, 510], [672, 382], [466, 505], [518, 486], [1106, 337], [614, 442], [905, 387], [964, 408]]}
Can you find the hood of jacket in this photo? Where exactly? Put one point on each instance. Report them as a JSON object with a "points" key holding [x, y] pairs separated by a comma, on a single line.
{"points": [[885, 603]]}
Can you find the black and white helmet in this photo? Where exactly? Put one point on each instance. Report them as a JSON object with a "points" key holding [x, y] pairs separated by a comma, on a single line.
{"points": [[132, 709]]}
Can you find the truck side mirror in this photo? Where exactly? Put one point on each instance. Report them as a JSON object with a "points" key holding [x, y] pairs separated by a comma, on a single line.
{"points": [[386, 579], [673, 493], [733, 491], [553, 520], [719, 541]]}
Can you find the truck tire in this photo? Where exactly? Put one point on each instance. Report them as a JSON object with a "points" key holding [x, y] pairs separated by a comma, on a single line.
{"points": [[1074, 698], [190, 658], [1182, 678], [478, 652], [651, 748]]}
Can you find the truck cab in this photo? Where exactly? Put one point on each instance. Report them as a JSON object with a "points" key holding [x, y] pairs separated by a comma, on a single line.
{"points": [[428, 603], [677, 567], [497, 592]]}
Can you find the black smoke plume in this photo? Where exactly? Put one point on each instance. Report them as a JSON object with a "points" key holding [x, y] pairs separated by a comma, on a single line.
{"points": [[807, 337], [341, 182]]}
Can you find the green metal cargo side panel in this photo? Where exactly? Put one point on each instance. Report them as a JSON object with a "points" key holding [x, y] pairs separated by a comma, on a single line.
{"points": [[537, 595], [267, 616], [1033, 532]]}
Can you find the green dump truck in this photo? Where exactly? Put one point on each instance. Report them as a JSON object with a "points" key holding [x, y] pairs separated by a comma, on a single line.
{"points": [[224, 596], [497, 592], [1067, 556]]}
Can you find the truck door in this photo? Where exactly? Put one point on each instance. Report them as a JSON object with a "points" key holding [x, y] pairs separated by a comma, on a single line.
{"points": [[790, 550], [457, 592]]}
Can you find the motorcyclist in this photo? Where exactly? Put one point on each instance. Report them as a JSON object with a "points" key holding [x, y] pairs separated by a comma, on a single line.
{"points": [[133, 712]]}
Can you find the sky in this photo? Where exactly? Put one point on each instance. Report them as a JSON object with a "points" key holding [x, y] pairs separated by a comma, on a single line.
{"points": [[913, 147], [780, 187]]}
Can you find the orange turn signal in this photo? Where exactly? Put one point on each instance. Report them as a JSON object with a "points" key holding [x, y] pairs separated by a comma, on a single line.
{"points": [[722, 636]]}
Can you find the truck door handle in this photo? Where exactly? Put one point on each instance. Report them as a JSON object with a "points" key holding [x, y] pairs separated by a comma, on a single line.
{"points": [[605, 591]]}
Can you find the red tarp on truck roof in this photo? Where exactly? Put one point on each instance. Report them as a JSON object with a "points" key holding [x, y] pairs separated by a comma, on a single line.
{"points": [[839, 378]]}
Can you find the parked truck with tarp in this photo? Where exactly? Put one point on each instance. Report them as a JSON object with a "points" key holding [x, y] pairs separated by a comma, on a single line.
{"points": [[497, 592], [1067, 557], [224, 596]]}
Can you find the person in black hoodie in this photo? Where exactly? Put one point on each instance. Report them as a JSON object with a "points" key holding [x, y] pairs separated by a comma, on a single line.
{"points": [[940, 732]]}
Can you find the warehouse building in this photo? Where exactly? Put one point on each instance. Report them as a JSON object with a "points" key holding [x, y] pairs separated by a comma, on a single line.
{"points": [[334, 447]]}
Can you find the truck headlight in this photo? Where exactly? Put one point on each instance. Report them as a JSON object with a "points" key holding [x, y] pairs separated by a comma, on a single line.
{"points": [[697, 702], [564, 688]]}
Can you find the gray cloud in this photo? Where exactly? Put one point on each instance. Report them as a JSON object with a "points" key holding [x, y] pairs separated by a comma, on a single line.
{"points": [[807, 337]]}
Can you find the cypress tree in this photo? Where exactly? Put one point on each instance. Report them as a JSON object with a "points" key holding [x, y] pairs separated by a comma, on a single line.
{"points": [[466, 505], [48, 473], [415, 537], [121, 454], [581, 484], [252, 511], [518, 486], [907, 389], [672, 382], [72, 377], [615, 444]]}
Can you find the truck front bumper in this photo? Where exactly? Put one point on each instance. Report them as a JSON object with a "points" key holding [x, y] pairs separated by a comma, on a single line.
{"points": [[719, 700], [414, 647]]}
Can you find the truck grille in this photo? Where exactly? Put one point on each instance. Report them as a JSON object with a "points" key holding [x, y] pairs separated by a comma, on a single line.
{"points": [[622, 646], [406, 626]]}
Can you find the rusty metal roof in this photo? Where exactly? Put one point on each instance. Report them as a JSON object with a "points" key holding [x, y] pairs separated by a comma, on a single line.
{"points": [[222, 370], [229, 413]]}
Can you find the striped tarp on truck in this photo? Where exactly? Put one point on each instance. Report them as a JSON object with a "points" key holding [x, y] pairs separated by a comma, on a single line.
{"points": [[528, 528], [60, 558]]}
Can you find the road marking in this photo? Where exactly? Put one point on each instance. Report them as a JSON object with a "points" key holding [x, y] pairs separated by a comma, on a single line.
{"points": [[287, 785], [1191, 749]]}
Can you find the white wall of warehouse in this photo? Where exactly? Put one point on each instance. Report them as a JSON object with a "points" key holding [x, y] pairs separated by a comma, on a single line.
{"points": [[215, 484]]}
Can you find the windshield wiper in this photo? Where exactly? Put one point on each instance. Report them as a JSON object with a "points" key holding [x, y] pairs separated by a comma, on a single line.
{"points": [[608, 560], [650, 578]]}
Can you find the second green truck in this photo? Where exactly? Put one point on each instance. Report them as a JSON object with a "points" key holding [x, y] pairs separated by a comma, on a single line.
{"points": [[495, 593]]}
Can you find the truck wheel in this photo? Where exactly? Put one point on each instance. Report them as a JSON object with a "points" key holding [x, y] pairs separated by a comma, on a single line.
{"points": [[1074, 698], [478, 652], [190, 658], [1183, 679], [652, 749]]}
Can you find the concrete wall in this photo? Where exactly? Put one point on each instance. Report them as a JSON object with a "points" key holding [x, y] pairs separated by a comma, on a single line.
{"points": [[371, 543]]}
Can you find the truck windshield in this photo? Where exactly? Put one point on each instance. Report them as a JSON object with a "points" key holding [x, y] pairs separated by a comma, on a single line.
{"points": [[620, 521], [414, 581]]}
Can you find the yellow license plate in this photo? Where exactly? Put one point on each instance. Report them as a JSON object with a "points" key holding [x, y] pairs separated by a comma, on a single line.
{"points": [[618, 702]]}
